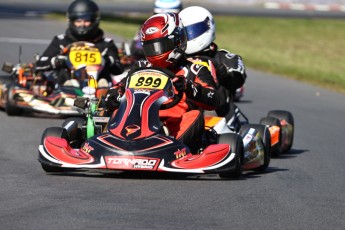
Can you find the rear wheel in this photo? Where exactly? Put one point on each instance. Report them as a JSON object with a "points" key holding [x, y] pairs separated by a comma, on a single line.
{"points": [[55, 132], [266, 139], [287, 116], [236, 145]]}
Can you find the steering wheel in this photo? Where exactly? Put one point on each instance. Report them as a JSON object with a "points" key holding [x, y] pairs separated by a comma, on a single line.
{"points": [[177, 98]]}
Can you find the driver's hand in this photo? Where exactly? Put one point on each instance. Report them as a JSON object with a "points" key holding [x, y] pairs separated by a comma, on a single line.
{"points": [[108, 60], [59, 62], [179, 83]]}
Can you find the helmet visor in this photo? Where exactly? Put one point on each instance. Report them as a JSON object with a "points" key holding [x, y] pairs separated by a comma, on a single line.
{"points": [[91, 17], [158, 46], [197, 29]]}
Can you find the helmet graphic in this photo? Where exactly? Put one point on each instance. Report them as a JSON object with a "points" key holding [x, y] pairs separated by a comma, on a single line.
{"points": [[164, 39]]}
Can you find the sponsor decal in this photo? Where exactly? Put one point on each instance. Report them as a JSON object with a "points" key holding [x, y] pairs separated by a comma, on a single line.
{"points": [[87, 148], [131, 129], [132, 163], [151, 30], [180, 153]]}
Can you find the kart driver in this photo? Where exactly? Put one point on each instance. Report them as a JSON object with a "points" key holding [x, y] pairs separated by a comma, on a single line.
{"points": [[160, 6], [164, 42], [230, 70], [83, 25]]}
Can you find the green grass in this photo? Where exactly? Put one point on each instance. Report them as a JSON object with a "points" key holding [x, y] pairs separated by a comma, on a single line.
{"points": [[310, 50]]}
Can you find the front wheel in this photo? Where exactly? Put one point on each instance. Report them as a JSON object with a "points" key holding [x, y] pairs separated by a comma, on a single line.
{"points": [[236, 147], [55, 132]]}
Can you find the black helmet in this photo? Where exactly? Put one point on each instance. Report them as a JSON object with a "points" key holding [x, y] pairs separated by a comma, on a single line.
{"points": [[87, 10]]}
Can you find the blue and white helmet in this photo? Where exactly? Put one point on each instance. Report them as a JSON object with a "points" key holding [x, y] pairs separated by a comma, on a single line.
{"points": [[200, 27], [166, 6]]}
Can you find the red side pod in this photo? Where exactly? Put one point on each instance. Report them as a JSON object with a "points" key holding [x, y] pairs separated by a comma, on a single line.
{"points": [[212, 155], [60, 149]]}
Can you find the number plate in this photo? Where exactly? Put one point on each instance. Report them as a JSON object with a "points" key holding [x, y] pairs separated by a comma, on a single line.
{"points": [[148, 80], [79, 57]]}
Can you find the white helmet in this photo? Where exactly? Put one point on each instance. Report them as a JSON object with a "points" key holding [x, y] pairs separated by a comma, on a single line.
{"points": [[200, 26], [166, 6]]}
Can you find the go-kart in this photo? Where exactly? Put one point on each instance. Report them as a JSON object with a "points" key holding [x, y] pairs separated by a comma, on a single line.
{"points": [[133, 138], [33, 92]]}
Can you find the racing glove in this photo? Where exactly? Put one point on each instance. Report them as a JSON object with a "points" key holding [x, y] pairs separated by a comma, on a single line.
{"points": [[59, 62], [182, 83], [179, 83], [113, 97]]}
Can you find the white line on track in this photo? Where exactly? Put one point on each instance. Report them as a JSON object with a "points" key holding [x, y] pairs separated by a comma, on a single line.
{"points": [[24, 40]]}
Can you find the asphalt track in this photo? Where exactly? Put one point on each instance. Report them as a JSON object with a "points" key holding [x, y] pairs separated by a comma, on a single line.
{"points": [[303, 189]]}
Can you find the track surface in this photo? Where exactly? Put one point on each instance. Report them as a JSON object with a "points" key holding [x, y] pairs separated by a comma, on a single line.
{"points": [[303, 189]]}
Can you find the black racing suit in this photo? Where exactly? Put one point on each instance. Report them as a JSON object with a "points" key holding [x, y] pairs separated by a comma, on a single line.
{"points": [[230, 77], [105, 45]]}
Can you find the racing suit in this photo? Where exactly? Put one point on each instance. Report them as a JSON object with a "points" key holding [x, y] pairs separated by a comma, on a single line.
{"points": [[229, 72], [184, 121], [50, 58]]}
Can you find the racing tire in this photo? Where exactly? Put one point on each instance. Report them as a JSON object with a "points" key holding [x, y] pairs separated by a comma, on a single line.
{"points": [[55, 132], [74, 129], [266, 141], [272, 121], [235, 141], [10, 107], [288, 117]]}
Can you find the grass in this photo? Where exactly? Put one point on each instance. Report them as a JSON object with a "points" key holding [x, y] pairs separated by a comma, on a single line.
{"points": [[310, 50]]}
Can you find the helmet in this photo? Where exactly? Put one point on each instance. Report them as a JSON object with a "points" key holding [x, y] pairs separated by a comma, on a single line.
{"points": [[164, 39], [200, 27], [87, 10], [165, 6]]}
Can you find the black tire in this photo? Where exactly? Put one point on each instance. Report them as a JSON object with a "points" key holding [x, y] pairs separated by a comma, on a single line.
{"points": [[266, 139], [74, 128], [235, 141], [55, 132], [11, 108], [288, 117], [271, 121]]}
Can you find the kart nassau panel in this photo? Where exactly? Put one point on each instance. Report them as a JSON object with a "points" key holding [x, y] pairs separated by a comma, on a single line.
{"points": [[156, 153]]}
